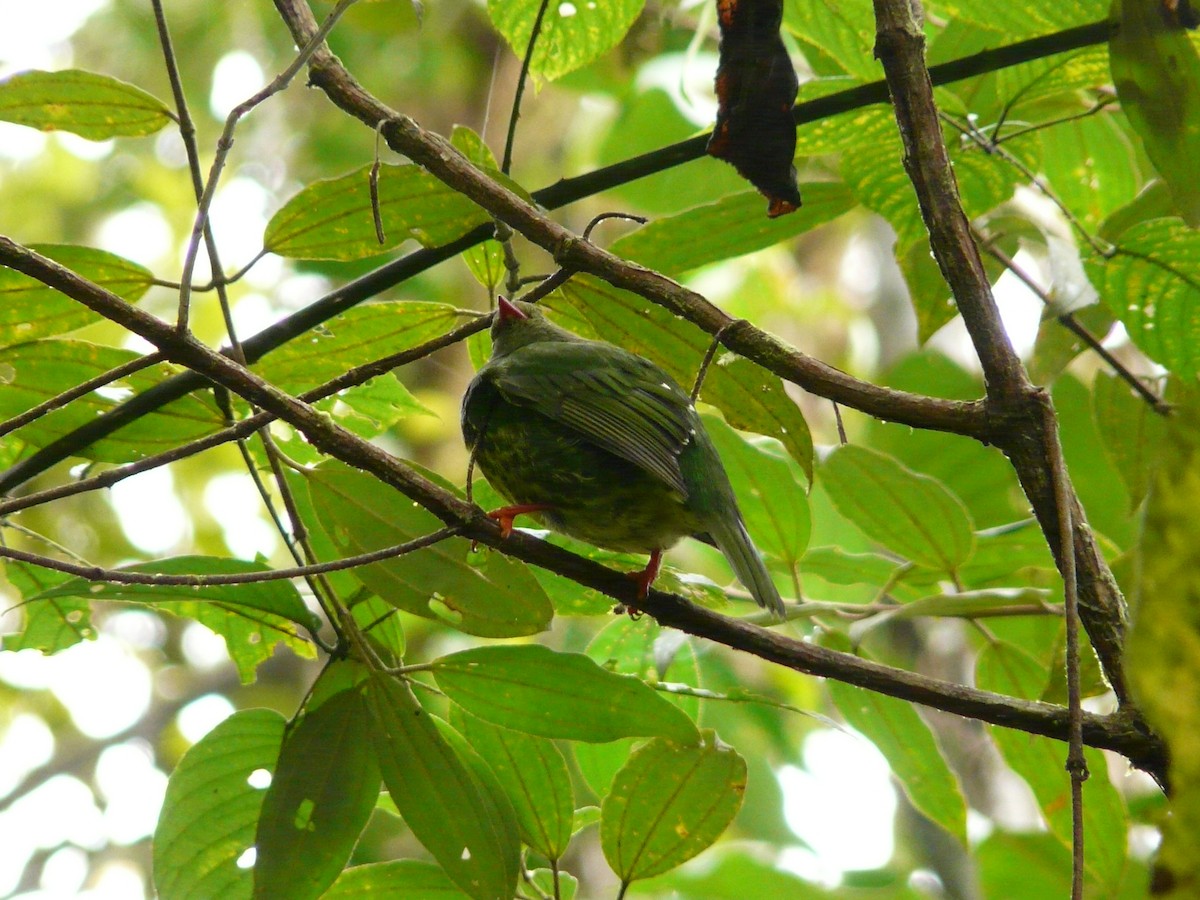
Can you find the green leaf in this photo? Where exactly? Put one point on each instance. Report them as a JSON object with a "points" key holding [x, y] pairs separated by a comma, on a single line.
{"points": [[669, 803], [439, 796], [1040, 761], [772, 501], [34, 372], [908, 745], [29, 310], [533, 689], [210, 809], [836, 566], [50, 625], [1156, 70], [411, 879], [1152, 285], [93, 106], [572, 34], [1018, 21], [842, 31], [732, 226], [252, 618], [910, 514], [1131, 433], [749, 397], [324, 788], [332, 219], [483, 593], [353, 338], [533, 774]]}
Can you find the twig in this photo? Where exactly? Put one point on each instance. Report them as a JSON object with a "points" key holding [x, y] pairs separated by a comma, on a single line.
{"points": [[534, 33], [225, 144], [1076, 763], [86, 387], [1069, 322], [101, 575]]}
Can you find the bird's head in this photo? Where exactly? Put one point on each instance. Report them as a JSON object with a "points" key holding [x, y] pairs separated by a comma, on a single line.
{"points": [[517, 323]]}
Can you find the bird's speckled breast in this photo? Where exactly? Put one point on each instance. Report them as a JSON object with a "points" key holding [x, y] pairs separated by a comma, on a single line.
{"points": [[596, 497]]}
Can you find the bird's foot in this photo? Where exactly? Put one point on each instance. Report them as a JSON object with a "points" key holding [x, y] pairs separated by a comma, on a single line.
{"points": [[505, 514], [646, 577]]}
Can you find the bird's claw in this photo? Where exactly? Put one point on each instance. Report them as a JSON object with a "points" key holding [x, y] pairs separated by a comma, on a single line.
{"points": [[505, 514]]}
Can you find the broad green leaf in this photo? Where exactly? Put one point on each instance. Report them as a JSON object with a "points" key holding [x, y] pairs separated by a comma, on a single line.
{"points": [[382, 626], [1040, 761], [835, 565], [29, 310], [50, 625], [1152, 285], [370, 409], [484, 593], [211, 809], [33, 373], [749, 397], [533, 689], [1153, 202], [967, 604], [534, 776], [843, 32], [323, 790], [439, 796], [357, 336], [669, 803], [1163, 658], [1156, 70], [910, 514], [332, 219], [643, 648], [646, 650], [252, 618], [411, 879], [979, 476], [906, 742], [93, 106], [1016, 22], [729, 227], [1092, 166], [1131, 433], [927, 289], [566, 888], [772, 501], [571, 36]]}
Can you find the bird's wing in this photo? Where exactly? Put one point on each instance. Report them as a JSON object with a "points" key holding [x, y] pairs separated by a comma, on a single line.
{"points": [[617, 400]]}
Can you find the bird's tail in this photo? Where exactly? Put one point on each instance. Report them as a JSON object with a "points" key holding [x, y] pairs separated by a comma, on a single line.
{"points": [[730, 535]]}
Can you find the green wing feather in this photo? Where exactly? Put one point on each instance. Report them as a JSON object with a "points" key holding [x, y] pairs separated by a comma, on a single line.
{"points": [[617, 400]]}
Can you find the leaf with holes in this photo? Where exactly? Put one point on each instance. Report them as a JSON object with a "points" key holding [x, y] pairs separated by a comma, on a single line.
{"points": [[573, 33], [212, 806]]}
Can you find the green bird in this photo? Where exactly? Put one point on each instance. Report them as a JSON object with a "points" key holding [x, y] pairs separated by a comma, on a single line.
{"points": [[602, 445]]}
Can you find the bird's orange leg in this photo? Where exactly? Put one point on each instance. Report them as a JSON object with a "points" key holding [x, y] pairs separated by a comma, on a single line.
{"points": [[505, 514], [644, 579]]}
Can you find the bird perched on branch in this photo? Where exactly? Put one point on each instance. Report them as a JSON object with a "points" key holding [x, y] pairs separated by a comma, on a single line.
{"points": [[602, 445]]}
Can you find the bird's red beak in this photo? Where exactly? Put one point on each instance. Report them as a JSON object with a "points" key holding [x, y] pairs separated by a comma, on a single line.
{"points": [[506, 310]]}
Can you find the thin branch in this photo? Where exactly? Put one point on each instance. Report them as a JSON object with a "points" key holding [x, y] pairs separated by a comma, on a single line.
{"points": [[101, 575], [1076, 763], [534, 34], [1013, 403], [1068, 321], [225, 144], [60, 400]]}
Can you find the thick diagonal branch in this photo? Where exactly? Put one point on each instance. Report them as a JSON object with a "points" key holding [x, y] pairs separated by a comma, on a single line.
{"points": [[1017, 410]]}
